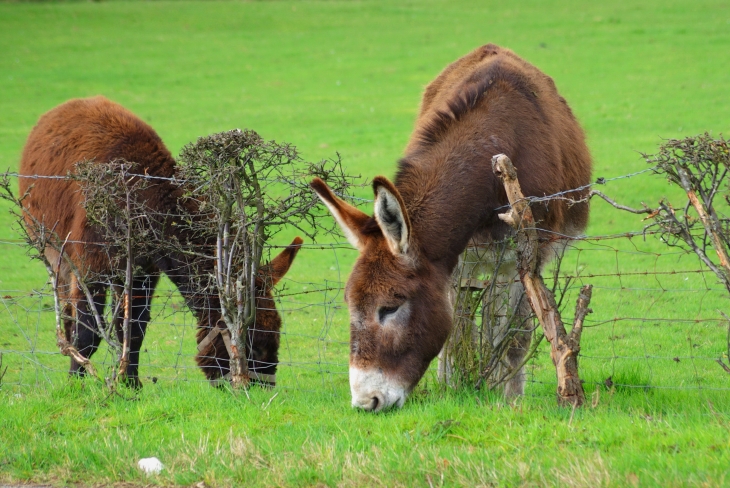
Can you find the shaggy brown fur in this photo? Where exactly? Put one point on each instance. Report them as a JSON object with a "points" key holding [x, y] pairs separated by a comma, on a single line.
{"points": [[99, 130], [445, 194]]}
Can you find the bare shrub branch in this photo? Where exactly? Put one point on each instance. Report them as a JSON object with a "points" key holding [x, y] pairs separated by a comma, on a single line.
{"points": [[698, 165], [487, 319], [232, 192], [39, 238], [2, 371], [245, 190], [126, 225]]}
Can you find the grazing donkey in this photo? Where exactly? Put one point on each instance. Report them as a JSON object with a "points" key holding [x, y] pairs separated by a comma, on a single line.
{"points": [[445, 197], [100, 130]]}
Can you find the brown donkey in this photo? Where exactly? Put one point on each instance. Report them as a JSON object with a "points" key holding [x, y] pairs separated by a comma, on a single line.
{"points": [[99, 130], [444, 197]]}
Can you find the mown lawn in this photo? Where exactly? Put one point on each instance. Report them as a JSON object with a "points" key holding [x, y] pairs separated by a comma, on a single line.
{"points": [[346, 77]]}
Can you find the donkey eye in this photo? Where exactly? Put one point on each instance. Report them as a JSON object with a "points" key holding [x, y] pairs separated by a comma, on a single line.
{"points": [[384, 312]]}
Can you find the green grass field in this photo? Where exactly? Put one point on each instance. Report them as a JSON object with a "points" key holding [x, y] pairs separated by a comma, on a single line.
{"points": [[346, 77]]}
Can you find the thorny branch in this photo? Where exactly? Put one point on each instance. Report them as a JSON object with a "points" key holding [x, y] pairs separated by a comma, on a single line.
{"points": [[699, 166], [236, 192], [112, 201], [645, 210], [487, 318], [2, 371], [719, 360]]}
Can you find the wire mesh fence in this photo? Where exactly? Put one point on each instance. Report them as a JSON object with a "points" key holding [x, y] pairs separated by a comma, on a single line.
{"points": [[313, 349], [657, 321]]}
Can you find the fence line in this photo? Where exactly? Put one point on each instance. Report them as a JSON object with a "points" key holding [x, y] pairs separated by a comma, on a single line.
{"points": [[646, 308]]}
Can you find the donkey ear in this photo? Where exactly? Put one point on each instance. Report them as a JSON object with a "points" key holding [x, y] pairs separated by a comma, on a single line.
{"points": [[277, 268], [391, 215], [350, 218]]}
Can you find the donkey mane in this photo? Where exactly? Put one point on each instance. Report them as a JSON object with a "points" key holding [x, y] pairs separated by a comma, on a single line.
{"points": [[468, 97], [371, 228]]}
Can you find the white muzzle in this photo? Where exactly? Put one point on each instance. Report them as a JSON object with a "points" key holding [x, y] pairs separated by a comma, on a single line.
{"points": [[372, 390]]}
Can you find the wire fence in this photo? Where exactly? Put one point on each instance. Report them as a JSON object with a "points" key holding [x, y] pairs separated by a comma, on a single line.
{"points": [[657, 321], [313, 351]]}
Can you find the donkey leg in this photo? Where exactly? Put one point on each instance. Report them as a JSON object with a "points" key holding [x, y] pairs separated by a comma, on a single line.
{"points": [[142, 289], [445, 370], [520, 342], [67, 309], [84, 329], [519, 303]]}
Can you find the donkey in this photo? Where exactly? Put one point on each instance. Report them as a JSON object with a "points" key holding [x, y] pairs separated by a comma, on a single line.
{"points": [[100, 130], [445, 197]]}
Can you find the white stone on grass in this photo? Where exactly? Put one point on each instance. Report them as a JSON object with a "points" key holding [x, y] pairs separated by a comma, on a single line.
{"points": [[150, 465]]}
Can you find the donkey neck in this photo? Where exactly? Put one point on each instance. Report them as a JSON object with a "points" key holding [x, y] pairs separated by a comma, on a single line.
{"points": [[188, 272], [190, 278], [450, 195]]}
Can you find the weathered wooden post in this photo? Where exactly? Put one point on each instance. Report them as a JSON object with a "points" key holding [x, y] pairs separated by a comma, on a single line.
{"points": [[564, 347]]}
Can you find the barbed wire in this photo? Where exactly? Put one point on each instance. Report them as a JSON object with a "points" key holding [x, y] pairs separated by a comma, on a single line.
{"points": [[531, 199], [599, 181]]}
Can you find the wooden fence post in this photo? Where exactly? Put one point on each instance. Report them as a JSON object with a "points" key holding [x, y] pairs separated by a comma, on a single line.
{"points": [[564, 347]]}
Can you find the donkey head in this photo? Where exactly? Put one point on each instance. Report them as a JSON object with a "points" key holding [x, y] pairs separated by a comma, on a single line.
{"points": [[262, 343], [263, 337], [400, 314]]}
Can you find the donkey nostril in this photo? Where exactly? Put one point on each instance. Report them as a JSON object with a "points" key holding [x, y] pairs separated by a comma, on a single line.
{"points": [[376, 402]]}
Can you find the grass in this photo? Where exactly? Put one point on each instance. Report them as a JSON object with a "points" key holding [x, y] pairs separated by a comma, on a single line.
{"points": [[78, 434], [346, 77]]}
